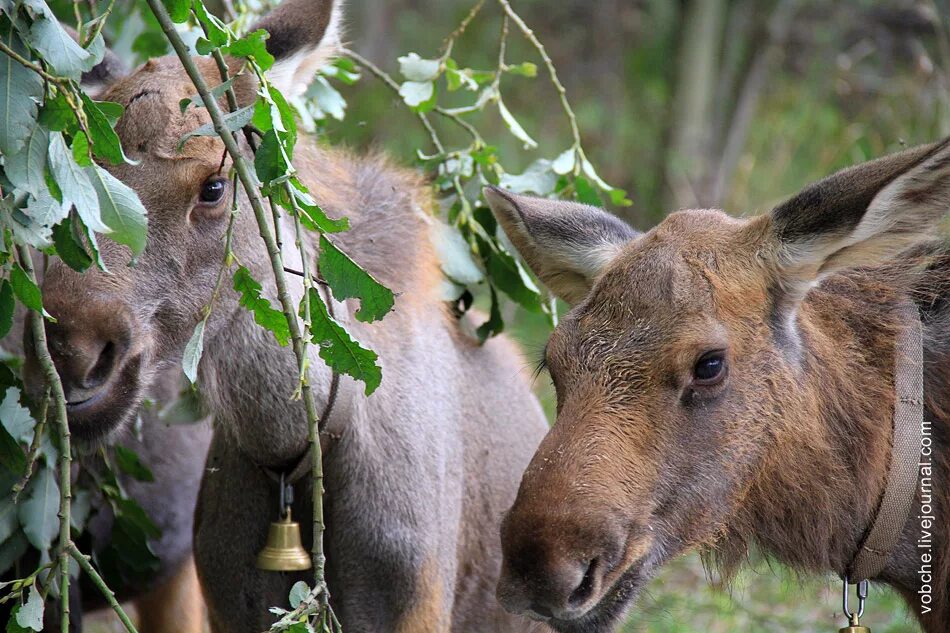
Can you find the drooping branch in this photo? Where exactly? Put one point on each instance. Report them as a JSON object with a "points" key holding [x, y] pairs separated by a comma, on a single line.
{"points": [[250, 185], [54, 387], [97, 580]]}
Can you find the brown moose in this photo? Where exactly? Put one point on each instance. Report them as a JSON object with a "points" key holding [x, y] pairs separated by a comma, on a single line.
{"points": [[724, 382], [420, 471]]}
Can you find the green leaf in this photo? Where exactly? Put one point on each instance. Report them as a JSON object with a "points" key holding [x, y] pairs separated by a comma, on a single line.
{"points": [[128, 462], [416, 93], [56, 114], [537, 178], [26, 291], [270, 163], [193, 350], [11, 551], [74, 184], [196, 99], [21, 90], [565, 162], [509, 276], [298, 593], [586, 192], [348, 280], [515, 127], [8, 519], [455, 255], [15, 418], [233, 121], [69, 246], [26, 168], [338, 349], [311, 215], [7, 306], [215, 30], [266, 316], [414, 68], [12, 456], [44, 209], [58, 49], [179, 10], [495, 324], [120, 209], [38, 511], [252, 45], [325, 100], [525, 69], [105, 142], [30, 615]]}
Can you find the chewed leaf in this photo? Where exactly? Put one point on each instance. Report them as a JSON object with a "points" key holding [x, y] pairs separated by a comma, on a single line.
{"points": [[348, 280], [340, 351], [265, 315]]}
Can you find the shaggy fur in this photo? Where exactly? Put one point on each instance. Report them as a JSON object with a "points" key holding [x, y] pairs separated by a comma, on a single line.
{"points": [[788, 447]]}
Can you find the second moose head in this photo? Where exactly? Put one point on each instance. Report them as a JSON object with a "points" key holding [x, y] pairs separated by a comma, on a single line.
{"points": [[723, 382]]}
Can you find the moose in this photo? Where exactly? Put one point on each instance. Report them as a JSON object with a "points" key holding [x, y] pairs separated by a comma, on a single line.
{"points": [[416, 475], [728, 382]]}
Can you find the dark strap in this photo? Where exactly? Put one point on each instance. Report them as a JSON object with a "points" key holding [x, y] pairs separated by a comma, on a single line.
{"points": [[900, 490]]}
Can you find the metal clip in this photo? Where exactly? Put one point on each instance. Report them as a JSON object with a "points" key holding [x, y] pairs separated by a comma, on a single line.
{"points": [[854, 618]]}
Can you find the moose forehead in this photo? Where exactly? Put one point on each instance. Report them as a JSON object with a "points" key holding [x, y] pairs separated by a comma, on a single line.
{"points": [[664, 289], [153, 123]]}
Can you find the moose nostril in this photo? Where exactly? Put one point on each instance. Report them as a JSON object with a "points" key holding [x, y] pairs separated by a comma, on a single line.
{"points": [[583, 592], [102, 368]]}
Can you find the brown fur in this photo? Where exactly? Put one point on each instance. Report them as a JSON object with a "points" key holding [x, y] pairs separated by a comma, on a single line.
{"points": [[175, 607], [787, 449]]}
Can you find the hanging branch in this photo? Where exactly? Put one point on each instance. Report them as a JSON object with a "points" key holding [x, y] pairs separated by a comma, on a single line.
{"points": [[54, 387], [250, 184]]}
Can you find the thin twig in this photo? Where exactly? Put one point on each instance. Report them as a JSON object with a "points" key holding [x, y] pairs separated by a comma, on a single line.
{"points": [[561, 91], [55, 387], [457, 33], [97, 580], [250, 184], [60, 81]]}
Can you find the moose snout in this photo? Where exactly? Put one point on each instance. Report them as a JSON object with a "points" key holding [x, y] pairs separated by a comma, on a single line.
{"points": [[89, 343], [555, 569]]}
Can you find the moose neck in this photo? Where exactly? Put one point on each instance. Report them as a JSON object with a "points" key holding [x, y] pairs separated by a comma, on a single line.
{"points": [[818, 495], [247, 378]]}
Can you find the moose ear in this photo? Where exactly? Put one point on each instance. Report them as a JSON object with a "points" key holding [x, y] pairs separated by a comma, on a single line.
{"points": [[304, 35], [566, 244], [860, 216]]}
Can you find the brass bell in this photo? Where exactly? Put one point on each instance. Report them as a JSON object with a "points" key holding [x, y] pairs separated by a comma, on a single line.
{"points": [[284, 551]]}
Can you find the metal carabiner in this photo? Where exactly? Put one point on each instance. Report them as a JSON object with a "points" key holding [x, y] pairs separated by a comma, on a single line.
{"points": [[853, 618]]}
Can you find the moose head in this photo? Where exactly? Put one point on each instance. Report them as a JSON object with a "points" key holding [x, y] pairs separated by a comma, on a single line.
{"points": [[719, 381], [116, 330]]}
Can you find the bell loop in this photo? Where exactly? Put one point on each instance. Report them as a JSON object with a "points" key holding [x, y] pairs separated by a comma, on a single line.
{"points": [[854, 617]]}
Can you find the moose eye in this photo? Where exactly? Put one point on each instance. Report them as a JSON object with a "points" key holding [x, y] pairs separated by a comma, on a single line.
{"points": [[710, 368], [212, 191]]}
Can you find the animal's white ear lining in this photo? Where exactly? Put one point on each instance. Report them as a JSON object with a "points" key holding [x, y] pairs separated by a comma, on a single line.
{"points": [[566, 244], [304, 35]]}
